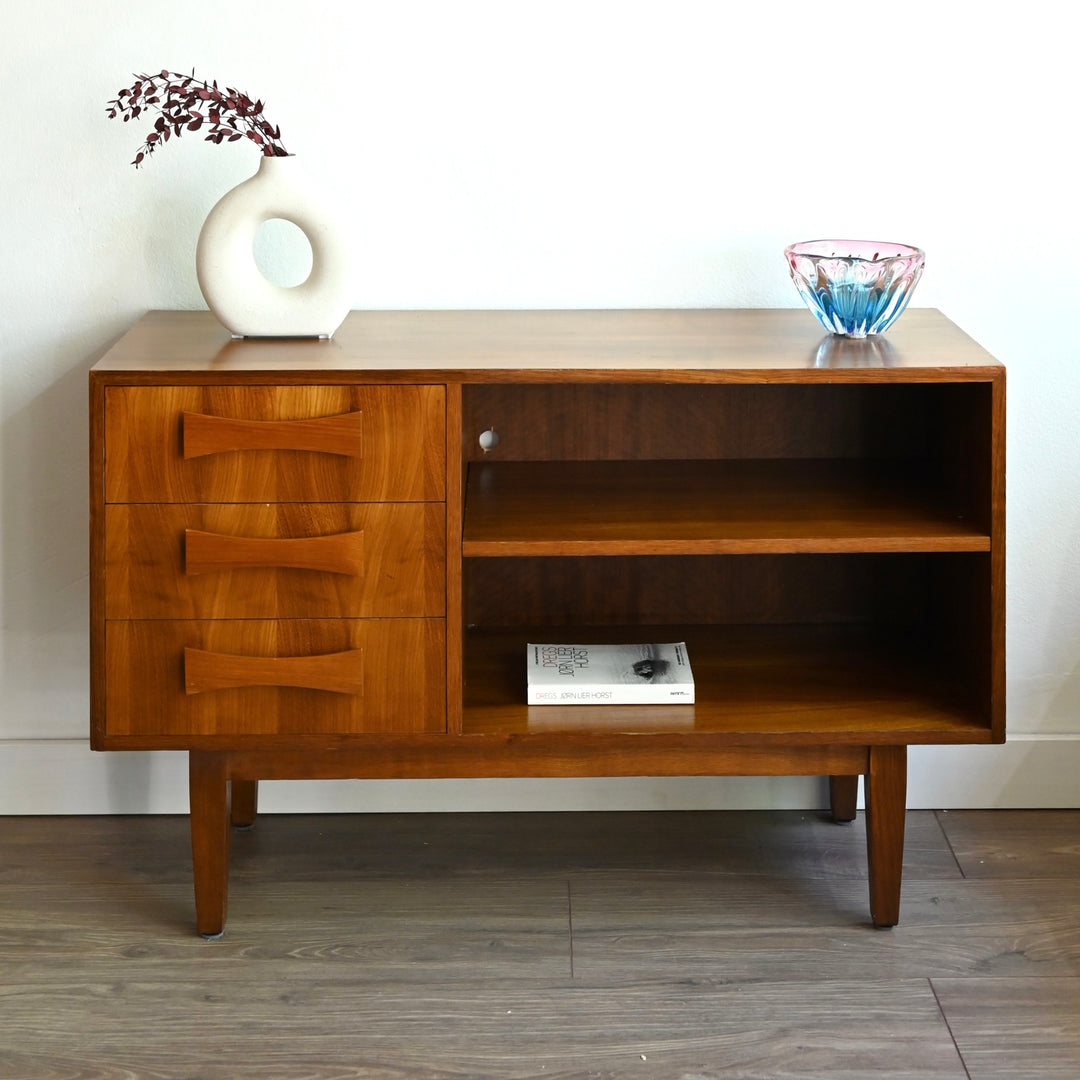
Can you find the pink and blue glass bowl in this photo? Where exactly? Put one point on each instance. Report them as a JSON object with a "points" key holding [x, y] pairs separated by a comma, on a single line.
{"points": [[855, 287]]}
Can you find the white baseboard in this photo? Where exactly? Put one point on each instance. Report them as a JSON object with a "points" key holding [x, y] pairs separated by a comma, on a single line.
{"points": [[66, 777]]}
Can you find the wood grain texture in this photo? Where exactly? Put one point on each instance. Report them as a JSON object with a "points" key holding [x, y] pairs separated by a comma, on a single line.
{"points": [[548, 754], [97, 590], [767, 923], [402, 457], [585, 346], [794, 683], [201, 435], [814, 418], [1008, 1028], [847, 1031], [243, 803], [455, 508], [1015, 844], [843, 797], [210, 834], [147, 693], [708, 507], [682, 410], [504, 946], [334, 553], [918, 591], [995, 605], [886, 797], [337, 673], [277, 560]]}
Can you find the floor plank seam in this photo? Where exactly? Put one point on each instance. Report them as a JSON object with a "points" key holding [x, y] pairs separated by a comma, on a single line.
{"points": [[938, 815], [948, 1028], [570, 922]]}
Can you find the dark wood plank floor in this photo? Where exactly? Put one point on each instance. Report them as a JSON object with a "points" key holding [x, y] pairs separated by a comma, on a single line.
{"points": [[690, 946]]}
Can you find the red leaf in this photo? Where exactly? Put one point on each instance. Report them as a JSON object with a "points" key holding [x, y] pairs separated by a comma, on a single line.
{"points": [[195, 124], [233, 138]]}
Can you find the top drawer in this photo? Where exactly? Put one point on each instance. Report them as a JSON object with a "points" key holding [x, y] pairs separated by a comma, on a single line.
{"points": [[274, 443]]}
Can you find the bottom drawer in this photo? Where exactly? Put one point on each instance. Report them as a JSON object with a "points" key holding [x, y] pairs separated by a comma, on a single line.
{"points": [[274, 677]]}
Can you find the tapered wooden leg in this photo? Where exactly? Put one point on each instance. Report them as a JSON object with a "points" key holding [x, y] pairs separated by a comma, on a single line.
{"points": [[886, 806], [209, 793], [245, 803], [843, 797]]}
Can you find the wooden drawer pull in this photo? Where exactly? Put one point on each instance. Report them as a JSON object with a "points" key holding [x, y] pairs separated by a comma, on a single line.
{"points": [[220, 434], [337, 553], [338, 673]]}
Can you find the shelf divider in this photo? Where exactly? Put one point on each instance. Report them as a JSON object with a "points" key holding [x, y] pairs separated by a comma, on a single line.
{"points": [[781, 506]]}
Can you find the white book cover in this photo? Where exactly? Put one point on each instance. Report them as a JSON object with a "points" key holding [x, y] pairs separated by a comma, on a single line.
{"points": [[609, 674]]}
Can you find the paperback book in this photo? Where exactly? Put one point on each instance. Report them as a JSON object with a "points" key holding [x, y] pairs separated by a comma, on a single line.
{"points": [[609, 674]]}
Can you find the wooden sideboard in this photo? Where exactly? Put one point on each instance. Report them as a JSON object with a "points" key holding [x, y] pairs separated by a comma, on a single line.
{"points": [[305, 565]]}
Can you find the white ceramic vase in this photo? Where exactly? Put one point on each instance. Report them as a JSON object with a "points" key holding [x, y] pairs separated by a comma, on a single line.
{"points": [[238, 293]]}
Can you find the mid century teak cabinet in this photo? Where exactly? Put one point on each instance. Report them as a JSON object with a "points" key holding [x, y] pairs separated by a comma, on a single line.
{"points": [[305, 565]]}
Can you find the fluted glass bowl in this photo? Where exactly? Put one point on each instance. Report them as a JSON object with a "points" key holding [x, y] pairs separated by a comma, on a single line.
{"points": [[855, 287]]}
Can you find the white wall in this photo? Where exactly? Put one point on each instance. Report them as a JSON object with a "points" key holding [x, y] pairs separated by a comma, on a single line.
{"points": [[559, 154]]}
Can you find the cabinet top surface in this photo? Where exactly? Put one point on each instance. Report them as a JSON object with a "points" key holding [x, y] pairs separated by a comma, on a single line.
{"points": [[709, 344]]}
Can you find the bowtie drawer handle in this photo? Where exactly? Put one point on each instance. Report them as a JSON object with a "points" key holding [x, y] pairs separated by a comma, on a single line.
{"points": [[337, 553], [338, 673], [341, 434]]}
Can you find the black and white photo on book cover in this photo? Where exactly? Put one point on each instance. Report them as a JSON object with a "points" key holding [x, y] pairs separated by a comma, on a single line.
{"points": [[609, 674]]}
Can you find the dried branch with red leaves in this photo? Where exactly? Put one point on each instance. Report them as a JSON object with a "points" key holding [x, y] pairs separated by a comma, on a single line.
{"points": [[184, 103]]}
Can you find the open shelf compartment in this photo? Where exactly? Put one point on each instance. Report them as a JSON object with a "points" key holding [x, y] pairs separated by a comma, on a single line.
{"points": [[798, 648], [789, 684]]}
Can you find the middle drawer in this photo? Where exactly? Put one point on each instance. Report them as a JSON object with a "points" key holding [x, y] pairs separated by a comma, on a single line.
{"points": [[275, 560]]}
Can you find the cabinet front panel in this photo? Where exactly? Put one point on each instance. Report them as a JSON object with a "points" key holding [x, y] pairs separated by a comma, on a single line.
{"points": [[267, 677], [277, 560], [274, 443]]}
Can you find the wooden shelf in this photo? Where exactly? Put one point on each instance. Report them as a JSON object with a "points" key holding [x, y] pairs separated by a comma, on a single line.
{"points": [[711, 507], [792, 684]]}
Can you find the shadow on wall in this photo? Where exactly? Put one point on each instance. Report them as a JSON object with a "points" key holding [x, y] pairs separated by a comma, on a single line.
{"points": [[43, 556]]}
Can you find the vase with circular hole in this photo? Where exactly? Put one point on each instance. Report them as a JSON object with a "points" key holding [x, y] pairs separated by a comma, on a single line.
{"points": [[235, 289]]}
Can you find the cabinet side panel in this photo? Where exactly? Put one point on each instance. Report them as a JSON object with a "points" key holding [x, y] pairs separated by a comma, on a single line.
{"points": [[97, 561], [997, 560]]}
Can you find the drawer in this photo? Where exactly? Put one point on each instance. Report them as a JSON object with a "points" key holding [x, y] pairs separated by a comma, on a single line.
{"points": [[275, 677], [274, 443], [276, 560]]}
